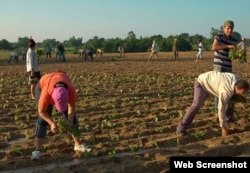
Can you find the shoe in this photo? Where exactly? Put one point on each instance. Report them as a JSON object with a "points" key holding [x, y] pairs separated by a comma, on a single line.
{"points": [[36, 155], [82, 148], [181, 133]]}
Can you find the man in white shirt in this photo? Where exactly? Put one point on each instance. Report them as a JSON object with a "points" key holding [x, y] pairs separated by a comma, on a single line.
{"points": [[154, 50], [200, 51], [225, 86]]}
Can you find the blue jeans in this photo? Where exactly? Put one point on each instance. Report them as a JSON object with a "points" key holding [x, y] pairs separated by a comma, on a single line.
{"points": [[41, 126]]}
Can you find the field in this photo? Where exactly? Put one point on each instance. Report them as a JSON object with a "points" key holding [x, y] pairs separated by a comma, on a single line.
{"points": [[128, 111]]}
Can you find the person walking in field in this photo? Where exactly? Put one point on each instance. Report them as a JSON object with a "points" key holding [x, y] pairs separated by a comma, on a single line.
{"points": [[221, 46], [61, 52], [226, 87], [175, 49], [48, 52], [32, 67], [121, 51], [243, 45], [199, 55], [55, 89], [154, 50]]}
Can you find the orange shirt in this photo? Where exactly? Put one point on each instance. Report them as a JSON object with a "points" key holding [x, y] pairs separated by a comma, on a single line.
{"points": [[47, 83]]}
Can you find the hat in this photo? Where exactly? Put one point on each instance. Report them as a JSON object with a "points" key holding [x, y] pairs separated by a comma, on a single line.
{"points": [[60, 95], [229, 23]]}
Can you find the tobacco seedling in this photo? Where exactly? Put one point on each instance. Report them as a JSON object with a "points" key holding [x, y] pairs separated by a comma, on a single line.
{"points": [[64, 126], [18, 150], [199, 135]]}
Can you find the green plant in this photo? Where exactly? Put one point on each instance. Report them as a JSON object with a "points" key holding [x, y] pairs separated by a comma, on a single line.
{"points": [[87, 155], [43, 149], [237, 53], [160, 129], [115, 138], [134, 148], [64, 126], [18, 150], [155, 118], [112, 153], [198, 135], [16, 117]]}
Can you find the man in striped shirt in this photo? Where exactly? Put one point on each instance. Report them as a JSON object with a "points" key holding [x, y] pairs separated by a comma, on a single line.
{"points": [[222, 43]]}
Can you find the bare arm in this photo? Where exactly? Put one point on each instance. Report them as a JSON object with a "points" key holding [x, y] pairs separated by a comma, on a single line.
{"points": [[217, 46], [71, 112], [45, 116]]}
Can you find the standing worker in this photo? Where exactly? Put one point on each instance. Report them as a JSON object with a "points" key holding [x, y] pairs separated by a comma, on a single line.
{"points": [[154, 50], [199, 55], [221, 46], [175, 49]]}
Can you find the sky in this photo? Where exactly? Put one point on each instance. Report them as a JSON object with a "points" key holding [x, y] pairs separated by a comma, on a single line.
{"points": [[63, 19]]}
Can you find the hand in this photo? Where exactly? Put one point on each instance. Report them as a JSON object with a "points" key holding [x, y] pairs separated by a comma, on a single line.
{"points": [[232, 47], [224, 132], [53, 128]]}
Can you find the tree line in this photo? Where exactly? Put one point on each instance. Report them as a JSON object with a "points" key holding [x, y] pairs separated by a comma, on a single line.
{"points": [[131, 43]]}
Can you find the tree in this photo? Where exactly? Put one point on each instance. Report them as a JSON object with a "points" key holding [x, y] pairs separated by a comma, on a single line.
{"points": [[4, 44], [22, 41], [73, 42], [214, 32], [50, 42], [131, 35]]}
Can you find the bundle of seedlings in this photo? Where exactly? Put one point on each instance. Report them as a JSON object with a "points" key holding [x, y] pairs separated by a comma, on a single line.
{"points": [[237, 53], [65, 127]]}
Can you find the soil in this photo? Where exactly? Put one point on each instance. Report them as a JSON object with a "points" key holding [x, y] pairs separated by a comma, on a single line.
{"points": [[128, 110]]}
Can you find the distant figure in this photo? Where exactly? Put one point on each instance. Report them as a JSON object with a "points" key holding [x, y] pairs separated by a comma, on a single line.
{"points": [[243, 45], [81, 52], [154, 50], [175, 49], [99, 51], [24, 52], [121, 50], [48, 52], [56, 52], [32, 67], [13, 56], [200, 51], [61, 52], [88, 53]]}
